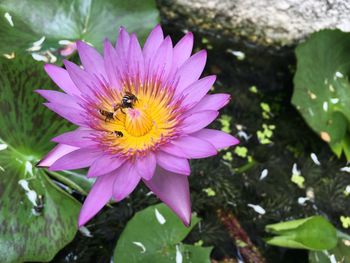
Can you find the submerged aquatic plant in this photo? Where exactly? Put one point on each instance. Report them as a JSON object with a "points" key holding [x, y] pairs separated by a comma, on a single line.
{"points": [[141, 114]]}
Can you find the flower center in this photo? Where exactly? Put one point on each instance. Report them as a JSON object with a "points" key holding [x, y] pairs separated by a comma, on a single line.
{"points": [[138, 122]]}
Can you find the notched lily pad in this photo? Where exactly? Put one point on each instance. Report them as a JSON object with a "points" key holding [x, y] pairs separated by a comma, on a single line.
{"points": [[37, 218], [155, 235], [322, 88]]}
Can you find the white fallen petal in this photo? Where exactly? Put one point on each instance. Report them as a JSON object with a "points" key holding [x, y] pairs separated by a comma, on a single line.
{"points": [[258, 209], [339, 74], [345, 169], [334, 100], [39, 42], [302, 200], [39, 57], [178, 255], [295, 170], [244, 135], [29, 168], [263, 175], [9, 18], [315, 159], [3, 146], [159, 217], [24, 184], [238, 54], [325, 106], [85, 231], [139, 244], [34, 48], [32, 196]]}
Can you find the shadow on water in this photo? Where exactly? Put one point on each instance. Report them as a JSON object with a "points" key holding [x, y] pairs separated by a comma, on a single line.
{"points": [[236, 180]]}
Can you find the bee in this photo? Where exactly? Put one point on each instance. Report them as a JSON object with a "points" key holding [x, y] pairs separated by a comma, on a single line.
{"points": [[107, 114], [128, 101], [118, 134]]}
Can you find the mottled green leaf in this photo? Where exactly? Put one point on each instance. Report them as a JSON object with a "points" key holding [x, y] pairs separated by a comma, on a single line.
{"points": [[341, 253], [322, 88], [155, 235], [37, 218], [313, 233], [90, 20]]}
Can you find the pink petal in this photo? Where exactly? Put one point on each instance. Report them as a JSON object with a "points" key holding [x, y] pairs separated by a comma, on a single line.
{"points": [[59, 98], [71, 114], [104, 164], [62, 79], [173, 190], [135, 58], [183, 50], [195, 147], [82, 79], [198, 120], [99, 195], [77, 159], [122, 47], [196, 91], [56, 153], [172, 163], [174, 150], [111, 65], [191, 70], [92, 60], [145, 166], [212, 102], [126, 179], [219, 139], [80, 138], [161, 63], [152, 43]]}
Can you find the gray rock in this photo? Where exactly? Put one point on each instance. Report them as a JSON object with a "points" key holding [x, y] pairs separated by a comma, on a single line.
{"points": [[262, 22]]}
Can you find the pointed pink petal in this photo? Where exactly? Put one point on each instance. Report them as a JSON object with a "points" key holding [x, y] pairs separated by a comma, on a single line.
{"points": [[126, 179], [80, 138], [152, 43], [56, 153], [172, 163], [145, 166], [211, 102], [122, 47], [111, 65], [219, 139], [174, 150], [197, 90], [92, 60], [135, 58], [183, 49], [198, 120], [195, 147], [59, 98], [71, 114], [191, 70], [62, 79], [82, 79], [173, 190], [123, 39], [104, 164], [77, 159], [161, 63], [99, 195]]}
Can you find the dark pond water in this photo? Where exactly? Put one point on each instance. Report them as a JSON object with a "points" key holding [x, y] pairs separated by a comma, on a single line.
{"points": [[236, 182]]}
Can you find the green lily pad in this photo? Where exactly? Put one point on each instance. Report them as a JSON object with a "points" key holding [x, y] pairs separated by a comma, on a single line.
{"points": [[155, 235], [313, 233], [322, 88], [341, 253], [37, 218], [90, 20]]}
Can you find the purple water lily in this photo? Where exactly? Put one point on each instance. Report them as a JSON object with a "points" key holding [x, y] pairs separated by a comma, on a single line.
{"points": [[141, 113]]}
